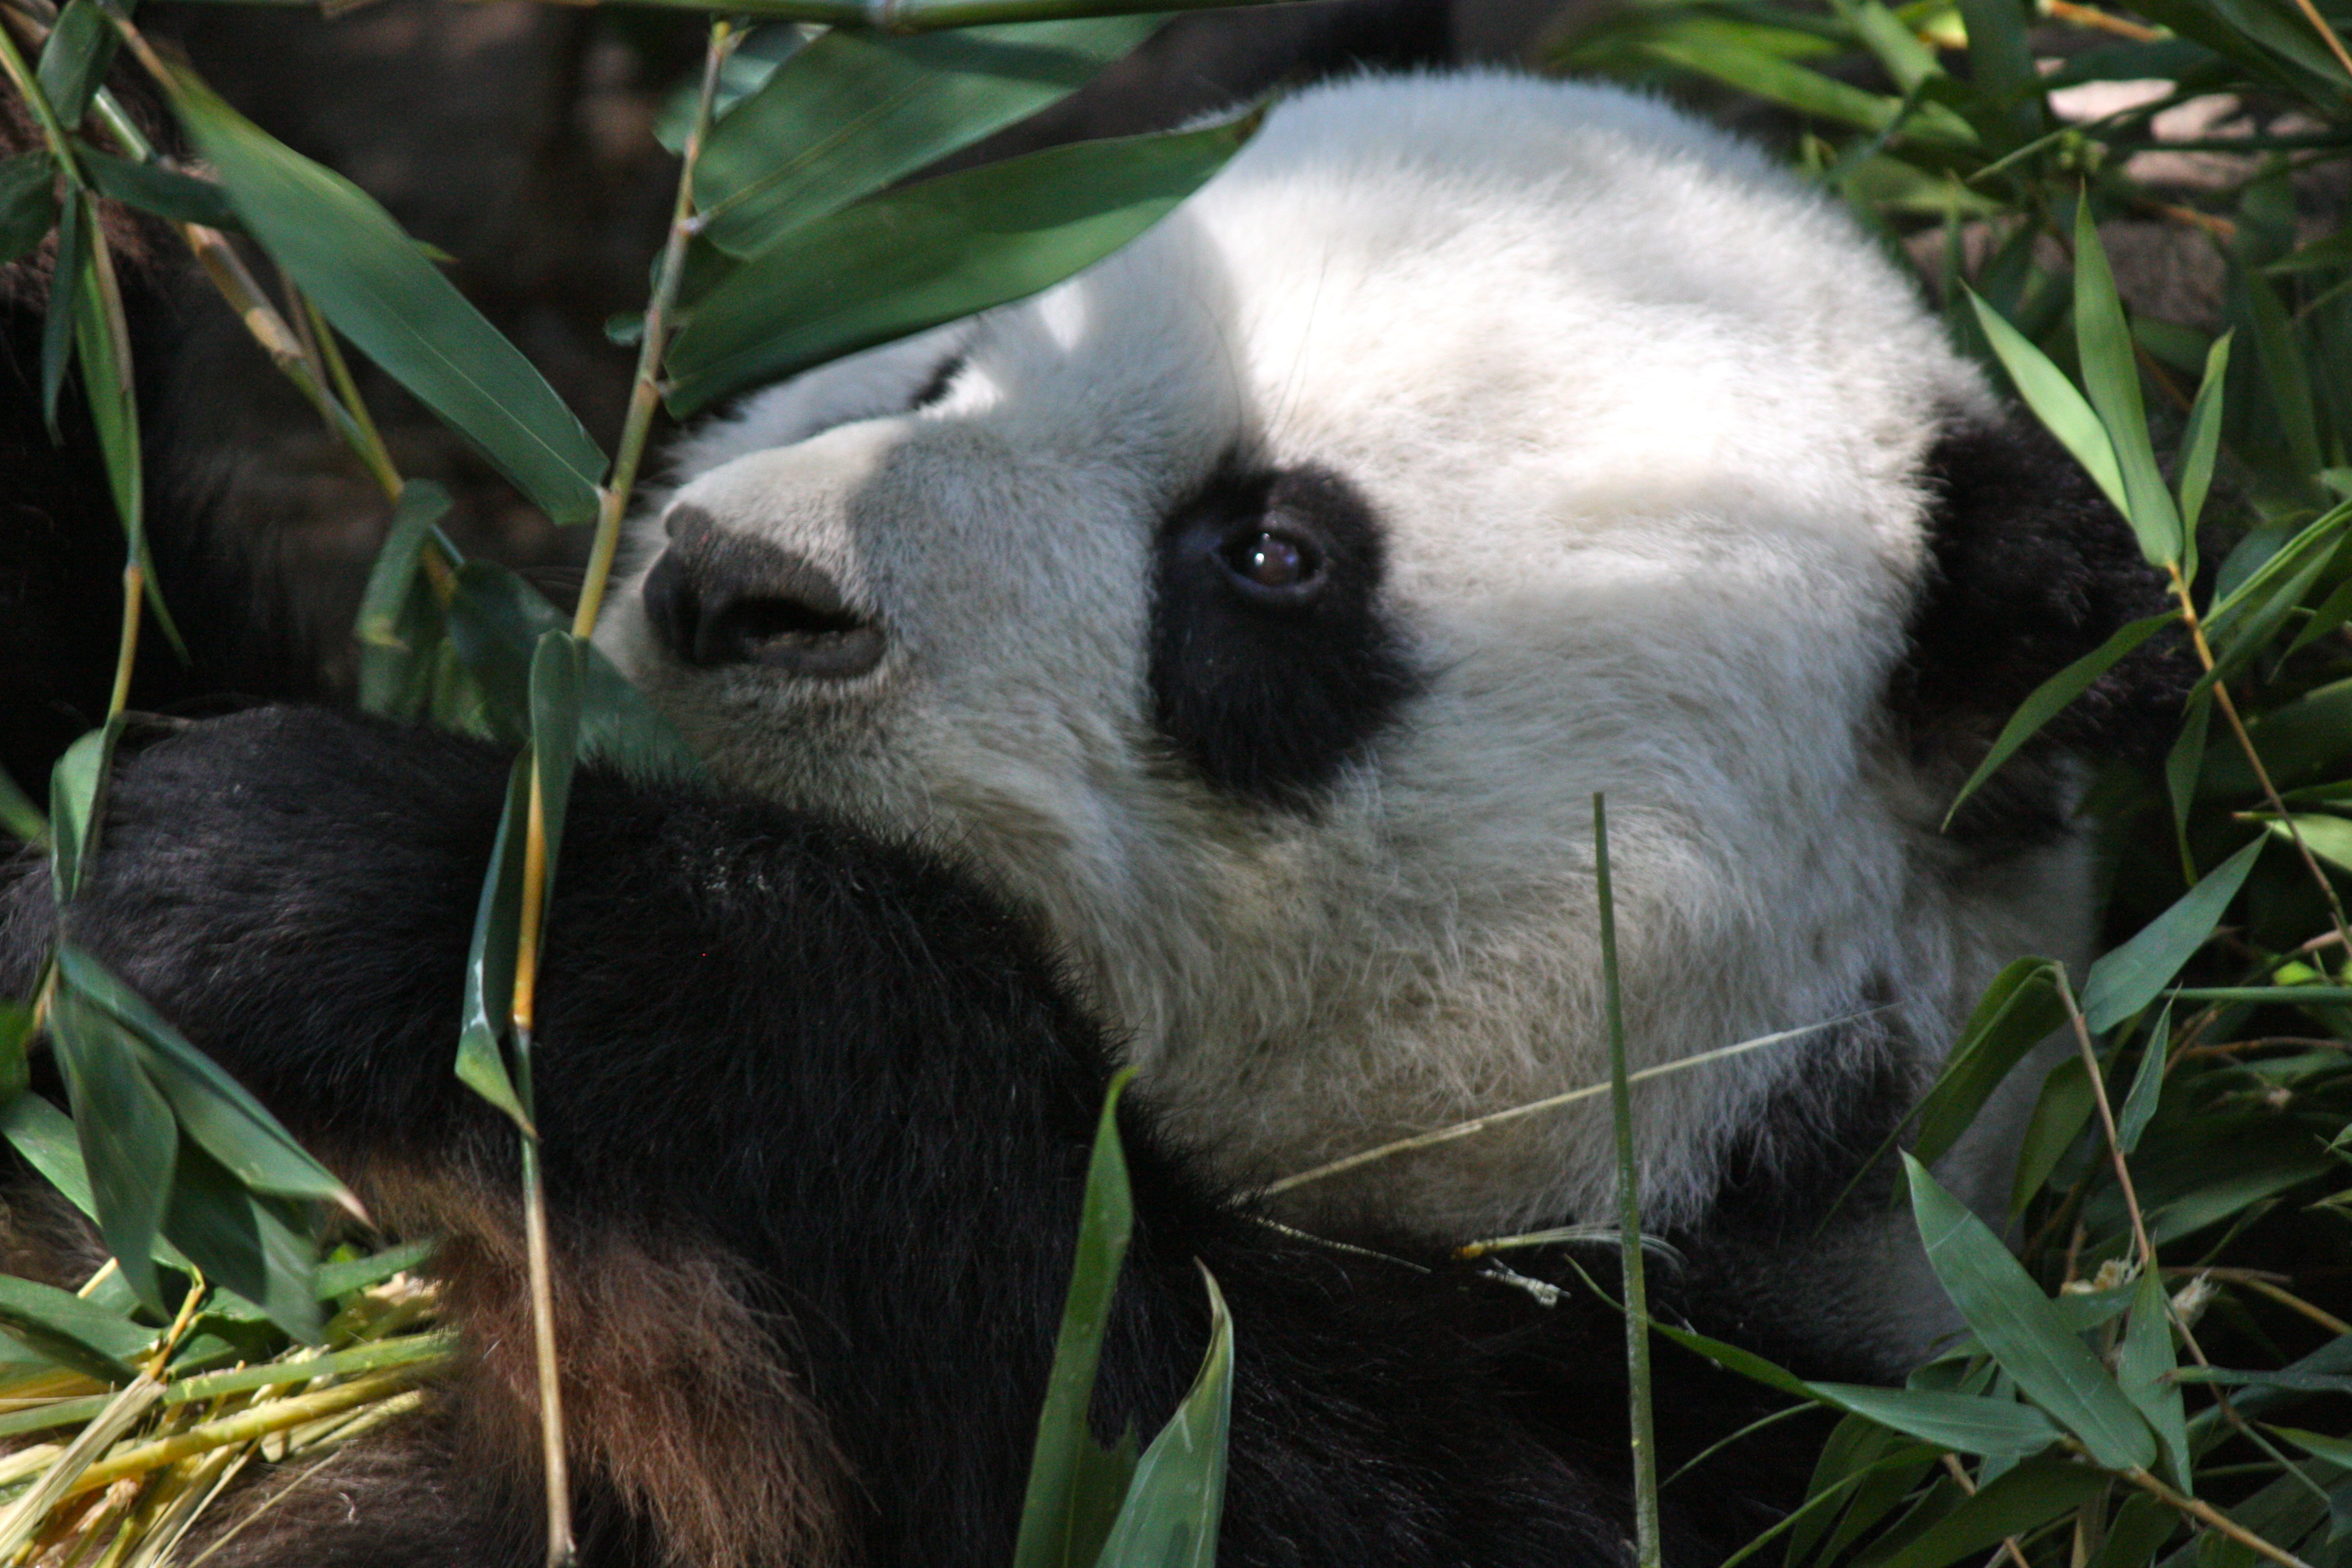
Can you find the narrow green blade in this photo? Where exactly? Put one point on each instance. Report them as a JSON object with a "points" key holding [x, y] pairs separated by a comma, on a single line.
{"points": [[1178, 1495]]}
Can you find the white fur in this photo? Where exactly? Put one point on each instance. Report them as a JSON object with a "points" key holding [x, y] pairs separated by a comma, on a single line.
{"points": [[1641, 416]]}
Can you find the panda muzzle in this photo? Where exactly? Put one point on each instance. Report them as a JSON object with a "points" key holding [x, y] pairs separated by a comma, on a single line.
{"points": [[717, 598]]}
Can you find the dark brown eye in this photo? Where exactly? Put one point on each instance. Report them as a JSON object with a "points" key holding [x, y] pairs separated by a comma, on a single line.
{"points": [[1276, 563]]}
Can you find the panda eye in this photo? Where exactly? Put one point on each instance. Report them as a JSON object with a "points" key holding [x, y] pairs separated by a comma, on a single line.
{"points": [[1273, 563]]}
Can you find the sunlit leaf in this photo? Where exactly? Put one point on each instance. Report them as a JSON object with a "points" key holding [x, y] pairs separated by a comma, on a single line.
{"points": [[2055, 402], [370, 280], [77, 1335], [1178, 1493], [910, 259], [855, 111], [2112, 375], [2016, 1323], [1054, 1514], [2129, 977], [2329, 838]]}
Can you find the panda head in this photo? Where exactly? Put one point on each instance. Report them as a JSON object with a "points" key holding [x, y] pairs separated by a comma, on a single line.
{"points": [[1264, 608]]}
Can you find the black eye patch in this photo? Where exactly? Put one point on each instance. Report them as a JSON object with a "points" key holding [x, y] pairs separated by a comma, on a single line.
{"points": [[1272, 660]]}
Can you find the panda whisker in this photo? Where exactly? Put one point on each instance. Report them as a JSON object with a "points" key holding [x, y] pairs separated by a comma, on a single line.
{"points": [[1533, 1107]]}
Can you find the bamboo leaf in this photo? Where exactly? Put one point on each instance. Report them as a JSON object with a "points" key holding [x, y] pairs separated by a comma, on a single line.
{"points": [[2199, 442], [2046, 700], [935, 252], [2329, 838], [2145, 1369], [1964, 1423], [129, 1144], [400, 625], [377, 288], [2143, 1524], [77, 791], [1783, 81], [2016, 1013], [554, 735], [255, 1246], [1053, 1509], [56, 325], [2054, 400], [2184, 768], [2129, 977], [63, 1328], [2290, 559], [74, 60], [2022, 1499], [29, 201], [212, 1108], [2147, 1086], [45, 1139], [2112, 375], [1178, 1494], [153, 188], [853, 113], [481, 1063], [2017, 1324]]}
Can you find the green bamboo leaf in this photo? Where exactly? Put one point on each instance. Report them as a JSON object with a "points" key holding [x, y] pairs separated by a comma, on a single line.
{"points": [[2053, 400], [2184, 769], [2112, 375], [46, 1138], [77, 792], [400, 625], [2000, 62], [1178, 1495], [481, 1063], [2140, 1526], [2129, 977], [56, 325], [1783, 81], [212, 1108], [2043, 703], [154, 188], [256, 1246], [2022, 1499], [556, 683], [2143, 1369], [901, 262], [2199, 443], [2337, 1451], [371, 281], [1963, 1423], [61, 1327], [2290, 560], [1053, 1510], [74, 60], [854, 112], [129, 1143], [2147, 1083], [103, 345], [1854, 1446], [2329, 838], [15, 1040], [2022, 1332], [357, 1274], [2287, 374], [2016, 1013], [19, 815], [29, 201]]}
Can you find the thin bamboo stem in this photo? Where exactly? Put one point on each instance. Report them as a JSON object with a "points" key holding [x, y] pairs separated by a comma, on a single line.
{"points": [[2107, 1122], [1648, 1552]]}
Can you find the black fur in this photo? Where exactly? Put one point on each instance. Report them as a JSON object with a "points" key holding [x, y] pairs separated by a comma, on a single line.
{"points": [[844, 1067], [1264, 701], [2031, 568]]}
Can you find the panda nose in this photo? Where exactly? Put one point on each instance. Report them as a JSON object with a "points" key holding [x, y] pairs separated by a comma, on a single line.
{"points": [[719, 598]]}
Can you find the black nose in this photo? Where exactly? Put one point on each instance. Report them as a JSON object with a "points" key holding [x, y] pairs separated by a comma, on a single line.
{"points": [[720, 598]]}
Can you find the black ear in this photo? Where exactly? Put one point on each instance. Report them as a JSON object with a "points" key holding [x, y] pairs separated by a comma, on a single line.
{"points": [[2030, 568]]}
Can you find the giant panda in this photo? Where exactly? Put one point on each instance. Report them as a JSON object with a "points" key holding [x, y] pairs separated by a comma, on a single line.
{"points": [[1208, 666]]}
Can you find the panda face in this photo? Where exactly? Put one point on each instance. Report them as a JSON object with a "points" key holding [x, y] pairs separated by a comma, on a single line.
{"points": [[1265, 607]]}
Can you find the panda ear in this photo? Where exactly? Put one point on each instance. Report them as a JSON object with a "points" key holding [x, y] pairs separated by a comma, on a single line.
{"points": [[2029, 568]]}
